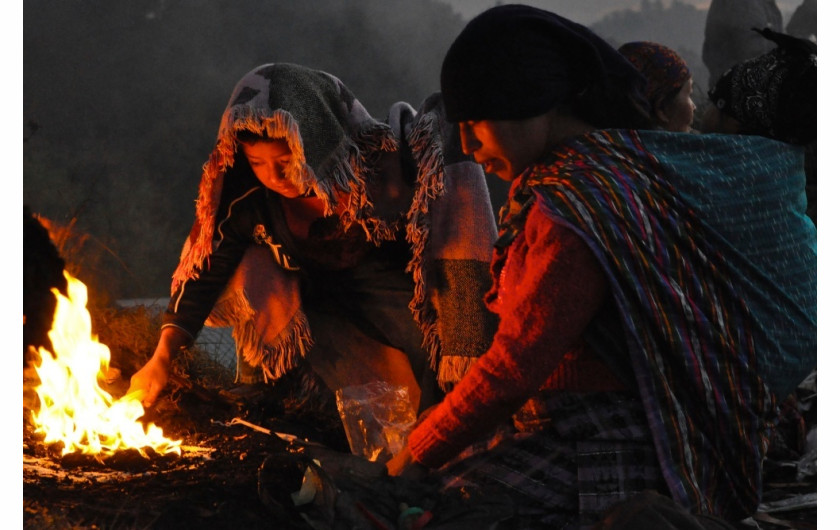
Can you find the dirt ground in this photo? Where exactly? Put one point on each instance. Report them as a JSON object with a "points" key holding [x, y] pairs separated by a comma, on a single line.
{"points": [[214, 484], [232, 475]]}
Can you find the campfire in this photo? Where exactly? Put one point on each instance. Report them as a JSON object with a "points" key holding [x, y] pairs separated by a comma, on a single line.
{"points": [[74, 409], [93, 459]]}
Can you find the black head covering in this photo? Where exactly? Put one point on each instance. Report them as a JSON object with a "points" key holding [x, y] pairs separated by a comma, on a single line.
{"points": [[514, 62], [774, 94]]}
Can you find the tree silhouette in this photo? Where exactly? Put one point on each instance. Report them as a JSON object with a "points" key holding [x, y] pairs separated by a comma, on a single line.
{"points": [[126, 99]]}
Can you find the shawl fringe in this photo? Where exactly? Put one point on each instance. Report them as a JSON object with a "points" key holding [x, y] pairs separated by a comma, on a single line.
{"points": [[452, 368], [426, 147], [354, 168], [276, 356], [351, 164]]}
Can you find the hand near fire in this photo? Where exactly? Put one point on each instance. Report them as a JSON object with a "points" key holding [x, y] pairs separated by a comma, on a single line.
{"points": [[399, 461], [153, 376], [403, 463], [147, 383]]}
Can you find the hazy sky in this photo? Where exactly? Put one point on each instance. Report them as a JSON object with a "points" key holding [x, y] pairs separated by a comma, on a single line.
{"points": [[587, 11]]}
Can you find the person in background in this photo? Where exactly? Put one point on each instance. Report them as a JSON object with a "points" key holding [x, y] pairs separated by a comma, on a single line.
{"points": [[323, 238], [656, 291], [727, 37], [803, 21], [669, 84], [772, 95]]}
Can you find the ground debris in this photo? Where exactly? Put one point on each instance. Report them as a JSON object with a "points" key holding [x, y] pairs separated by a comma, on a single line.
{"points": [[213, 484], [227, 476], [789, 498]]}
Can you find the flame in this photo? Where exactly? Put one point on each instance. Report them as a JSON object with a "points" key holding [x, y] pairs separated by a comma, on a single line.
{"points": [[74, 409]]}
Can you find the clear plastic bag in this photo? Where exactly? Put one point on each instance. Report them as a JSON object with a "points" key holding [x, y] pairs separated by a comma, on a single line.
{"points": [[377, 418]]}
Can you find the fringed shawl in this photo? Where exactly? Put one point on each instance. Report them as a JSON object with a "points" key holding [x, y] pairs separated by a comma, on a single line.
{"points": [[332, 138], [335, 144], [712, 264], [451, 229]]}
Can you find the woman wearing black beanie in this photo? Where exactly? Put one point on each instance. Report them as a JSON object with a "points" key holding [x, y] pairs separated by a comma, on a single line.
{"points": [[656, 290]]}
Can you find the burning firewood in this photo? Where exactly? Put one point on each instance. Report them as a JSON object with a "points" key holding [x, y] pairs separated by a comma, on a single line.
{"points": [[73, 408]]}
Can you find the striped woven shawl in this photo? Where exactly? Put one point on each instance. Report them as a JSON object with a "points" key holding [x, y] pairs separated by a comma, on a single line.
{"points": [[712, 263]]}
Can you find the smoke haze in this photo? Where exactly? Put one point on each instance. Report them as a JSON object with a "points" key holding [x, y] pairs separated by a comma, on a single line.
{"points": [[122, 100]]}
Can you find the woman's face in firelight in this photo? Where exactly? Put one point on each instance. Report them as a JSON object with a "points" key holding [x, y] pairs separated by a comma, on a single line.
{"points": [[506, 147], [269, 160]]}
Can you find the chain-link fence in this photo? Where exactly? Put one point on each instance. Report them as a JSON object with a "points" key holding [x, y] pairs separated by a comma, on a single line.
{"points": [[216, 343]]}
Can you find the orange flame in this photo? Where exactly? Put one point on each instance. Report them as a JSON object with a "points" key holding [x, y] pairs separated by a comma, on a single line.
{"points": [[74, 409]]}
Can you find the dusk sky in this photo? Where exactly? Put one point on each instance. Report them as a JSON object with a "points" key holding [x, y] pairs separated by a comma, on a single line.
{"points": [[587, 11]]}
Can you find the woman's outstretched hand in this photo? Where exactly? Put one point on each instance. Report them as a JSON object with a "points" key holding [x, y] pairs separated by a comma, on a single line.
{"points": [[399, 462], [149, 380], [403, 464]]}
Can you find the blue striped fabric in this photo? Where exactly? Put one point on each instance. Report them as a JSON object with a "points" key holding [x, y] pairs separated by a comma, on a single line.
{"points": [[712, 264]]}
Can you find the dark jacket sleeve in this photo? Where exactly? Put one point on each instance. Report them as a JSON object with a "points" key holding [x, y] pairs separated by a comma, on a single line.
{"points": [[190, 305]]}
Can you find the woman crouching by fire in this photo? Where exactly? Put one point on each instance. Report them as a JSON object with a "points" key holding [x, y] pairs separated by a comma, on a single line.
{"points": [[323, 237], [656, 290]]}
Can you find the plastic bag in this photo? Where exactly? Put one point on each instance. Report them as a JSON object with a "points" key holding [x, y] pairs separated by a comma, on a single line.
{"points": [[377, 418]]}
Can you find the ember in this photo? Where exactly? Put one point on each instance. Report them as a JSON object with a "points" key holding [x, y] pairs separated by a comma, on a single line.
{"points": [[74, 409]]}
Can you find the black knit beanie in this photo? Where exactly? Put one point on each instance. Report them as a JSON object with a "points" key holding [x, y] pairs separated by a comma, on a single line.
{"points": [[514, 62]]}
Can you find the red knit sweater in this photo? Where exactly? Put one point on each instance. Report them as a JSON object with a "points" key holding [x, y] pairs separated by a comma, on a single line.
{"points": [[549, 289]]}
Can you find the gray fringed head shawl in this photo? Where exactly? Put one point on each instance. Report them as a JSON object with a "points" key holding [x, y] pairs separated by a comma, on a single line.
{"points": [[335, 144], [332, 137]]}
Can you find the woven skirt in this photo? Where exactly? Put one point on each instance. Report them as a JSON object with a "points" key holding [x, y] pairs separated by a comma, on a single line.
{"points": [[570, 457]]}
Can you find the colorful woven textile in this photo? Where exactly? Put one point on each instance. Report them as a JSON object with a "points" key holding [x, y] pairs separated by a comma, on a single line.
{"points": [[666, 72], [712, 263]]}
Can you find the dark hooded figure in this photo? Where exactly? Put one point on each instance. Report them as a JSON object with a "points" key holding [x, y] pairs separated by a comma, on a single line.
{"points": [[772, 95], [656, 291]]}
